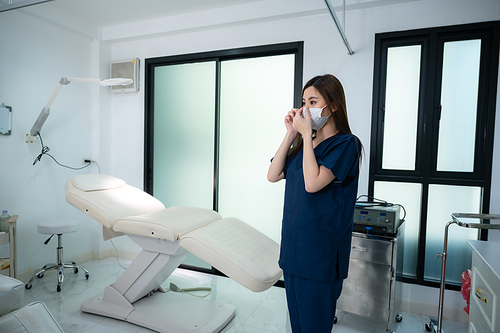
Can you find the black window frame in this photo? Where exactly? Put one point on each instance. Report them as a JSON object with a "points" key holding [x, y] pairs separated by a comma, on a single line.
{"points": [[425, 173]]}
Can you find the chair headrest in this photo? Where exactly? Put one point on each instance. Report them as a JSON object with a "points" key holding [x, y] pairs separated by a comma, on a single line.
{"points": [[97, 182]]}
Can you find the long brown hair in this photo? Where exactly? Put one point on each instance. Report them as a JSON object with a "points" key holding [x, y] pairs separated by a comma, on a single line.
{"points": [[332, 92]]}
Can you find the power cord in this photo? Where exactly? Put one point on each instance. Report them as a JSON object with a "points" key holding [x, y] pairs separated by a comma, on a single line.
{"points": [[175, 288], [118, 261], [45, 151]]}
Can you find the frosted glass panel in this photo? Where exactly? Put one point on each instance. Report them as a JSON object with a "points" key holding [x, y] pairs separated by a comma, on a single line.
{"points": [[256, 94], [184, 113], [443, 201], [459, 91], [184, 122], [401, 107], [409, 196]]}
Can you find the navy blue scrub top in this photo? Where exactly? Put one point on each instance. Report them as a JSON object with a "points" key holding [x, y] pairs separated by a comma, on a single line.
{"points": [[317, 227]]}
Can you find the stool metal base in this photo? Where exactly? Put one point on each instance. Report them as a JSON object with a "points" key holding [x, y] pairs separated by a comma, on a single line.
{"points": [[60, 266]]}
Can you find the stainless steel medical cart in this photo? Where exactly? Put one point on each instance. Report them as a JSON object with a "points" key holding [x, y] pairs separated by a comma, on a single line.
{"points": [[464, 220], [373, 287]]}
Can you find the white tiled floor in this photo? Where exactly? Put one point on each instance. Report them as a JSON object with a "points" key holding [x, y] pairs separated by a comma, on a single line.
{"points": [[263, 312]]}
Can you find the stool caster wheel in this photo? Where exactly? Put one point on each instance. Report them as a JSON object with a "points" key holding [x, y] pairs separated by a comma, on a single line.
{"points": [[28, 286], [399, 318], [75, 270], [335, 320], [39, 275], [58, 288], [87, 276]]}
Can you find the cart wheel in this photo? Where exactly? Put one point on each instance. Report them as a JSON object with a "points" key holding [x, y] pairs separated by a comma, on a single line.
{"points": [[335, 320], [75, 270], [28, 286], [429, 327], [399, 318], [39, 275]]}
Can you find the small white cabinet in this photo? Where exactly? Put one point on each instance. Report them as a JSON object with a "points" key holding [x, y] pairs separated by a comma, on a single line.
{"points": [[484, 311]]}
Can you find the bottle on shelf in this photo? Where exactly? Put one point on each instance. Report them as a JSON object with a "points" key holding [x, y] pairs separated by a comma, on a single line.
{"points": [[4, 226]]}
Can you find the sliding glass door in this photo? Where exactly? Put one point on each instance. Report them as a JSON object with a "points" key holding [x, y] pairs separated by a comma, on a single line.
{"points": [[213, 122]]}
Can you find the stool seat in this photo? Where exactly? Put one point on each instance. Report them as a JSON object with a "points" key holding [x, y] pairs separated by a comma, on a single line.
{"points": [[58, 226]]}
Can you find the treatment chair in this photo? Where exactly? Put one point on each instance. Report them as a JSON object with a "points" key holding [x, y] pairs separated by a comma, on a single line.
{"points": [[166, 236]]}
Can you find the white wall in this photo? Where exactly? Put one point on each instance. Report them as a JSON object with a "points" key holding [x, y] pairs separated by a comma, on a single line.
{"points": [[35, 55], [324, 52]]}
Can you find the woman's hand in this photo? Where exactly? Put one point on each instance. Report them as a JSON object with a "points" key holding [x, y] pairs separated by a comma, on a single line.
{"points": [[303, 124], [289, 121]]}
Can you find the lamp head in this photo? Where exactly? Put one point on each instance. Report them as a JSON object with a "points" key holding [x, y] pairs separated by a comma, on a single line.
{"points": [[116, 82]]}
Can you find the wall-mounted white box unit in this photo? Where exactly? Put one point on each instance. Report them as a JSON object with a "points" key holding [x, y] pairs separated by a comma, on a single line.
{"points": [[128, 69]]}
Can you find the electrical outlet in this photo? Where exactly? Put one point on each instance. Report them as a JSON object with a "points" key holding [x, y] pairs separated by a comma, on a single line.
{"points": [[86, 160]]}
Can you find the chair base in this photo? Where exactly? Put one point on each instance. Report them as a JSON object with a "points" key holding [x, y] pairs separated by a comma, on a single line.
{"points": [[163, 312], [60, 266], [60, 273]]}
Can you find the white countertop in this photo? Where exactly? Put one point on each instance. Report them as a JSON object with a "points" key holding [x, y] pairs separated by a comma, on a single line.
{"points": [[490, 252]]}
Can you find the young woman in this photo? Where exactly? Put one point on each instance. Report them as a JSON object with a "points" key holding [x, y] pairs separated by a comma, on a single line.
{"points": [[321, 170]]}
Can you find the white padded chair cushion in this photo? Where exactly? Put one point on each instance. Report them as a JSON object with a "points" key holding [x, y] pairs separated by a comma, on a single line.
{"points": [[97, 182], [11, 294], [107, 206], [167, 224], [32, 318], [238, 250], [58, 226]]}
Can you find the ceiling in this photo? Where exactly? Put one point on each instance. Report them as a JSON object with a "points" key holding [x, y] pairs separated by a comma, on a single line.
{"points": [[105, 13]]}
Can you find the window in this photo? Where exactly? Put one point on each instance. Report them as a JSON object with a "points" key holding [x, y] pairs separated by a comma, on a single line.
{"points": [[213, 122], [432, 137]]}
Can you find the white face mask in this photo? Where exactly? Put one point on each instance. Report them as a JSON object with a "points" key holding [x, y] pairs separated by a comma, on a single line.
{"points": [[317, 121]]}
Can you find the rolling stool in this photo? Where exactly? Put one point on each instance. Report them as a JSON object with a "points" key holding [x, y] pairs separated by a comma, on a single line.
{"points": [[58, 227]]}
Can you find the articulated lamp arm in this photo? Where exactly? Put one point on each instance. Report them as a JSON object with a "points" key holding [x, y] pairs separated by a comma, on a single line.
{"points": [[37, 126]]}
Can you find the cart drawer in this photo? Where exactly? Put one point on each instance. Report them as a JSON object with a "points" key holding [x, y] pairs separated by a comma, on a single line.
{"points": [[372, 250]]}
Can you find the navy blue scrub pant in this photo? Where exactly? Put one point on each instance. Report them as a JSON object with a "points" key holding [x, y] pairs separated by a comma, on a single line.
{"points": [[311, 304]]}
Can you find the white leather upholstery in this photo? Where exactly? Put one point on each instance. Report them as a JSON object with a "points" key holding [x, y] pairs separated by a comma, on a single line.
{"points": [[231, 245], [11, 294], [32, 318], [238, 250], [167, 224], [58, 226], [108, 206]]}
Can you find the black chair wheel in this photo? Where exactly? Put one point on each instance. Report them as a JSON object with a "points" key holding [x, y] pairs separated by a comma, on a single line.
{"points": [[429, 327], [28, 286], [87, 276], [399, 318], [335, 320], [39, 275], [58, 288], [75, 270]]}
